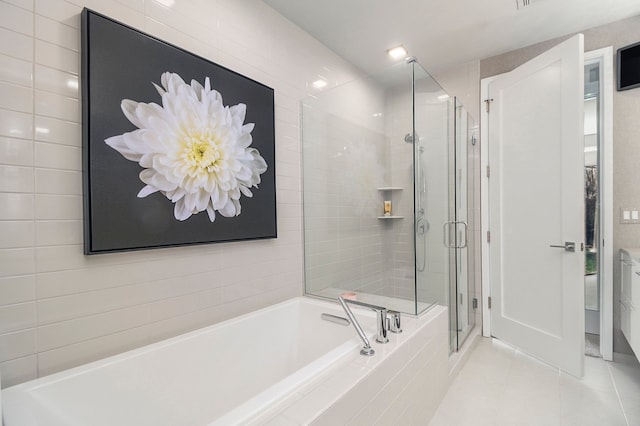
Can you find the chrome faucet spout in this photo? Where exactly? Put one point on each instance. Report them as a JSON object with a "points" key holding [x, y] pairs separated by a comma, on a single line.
{"points": [[381, 318], [367, 349]]}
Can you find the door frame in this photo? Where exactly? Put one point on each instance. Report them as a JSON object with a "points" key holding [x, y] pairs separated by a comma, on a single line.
{"points": [[605, 153], [605, 192]]}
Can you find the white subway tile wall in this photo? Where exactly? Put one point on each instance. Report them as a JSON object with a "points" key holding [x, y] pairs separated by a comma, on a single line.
{"points": [[345, 162], [59, 308]]}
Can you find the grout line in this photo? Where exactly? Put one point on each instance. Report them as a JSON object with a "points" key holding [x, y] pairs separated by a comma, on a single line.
{"points": [[624, 414], [35, 236]]}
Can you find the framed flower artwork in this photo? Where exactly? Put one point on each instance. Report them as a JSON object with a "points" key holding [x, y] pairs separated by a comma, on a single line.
{"points": [[176, 149]]}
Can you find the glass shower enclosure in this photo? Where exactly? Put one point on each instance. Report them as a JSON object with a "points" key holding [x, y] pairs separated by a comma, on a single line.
{"points": [[385, 210]]}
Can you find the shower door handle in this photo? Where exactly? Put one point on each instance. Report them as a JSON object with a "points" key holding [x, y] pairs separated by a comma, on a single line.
{"points": [[446, 235], [465, 235], [568, 246]]}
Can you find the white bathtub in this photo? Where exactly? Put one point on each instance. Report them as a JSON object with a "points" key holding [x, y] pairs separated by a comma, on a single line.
{"points": [[230, 373]]}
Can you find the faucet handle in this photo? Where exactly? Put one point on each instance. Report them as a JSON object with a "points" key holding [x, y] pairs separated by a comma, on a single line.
{"points": [[394, 325], [383, 324]]}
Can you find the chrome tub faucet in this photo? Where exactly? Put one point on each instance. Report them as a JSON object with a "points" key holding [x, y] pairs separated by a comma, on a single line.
{"points": [[382, 322]]}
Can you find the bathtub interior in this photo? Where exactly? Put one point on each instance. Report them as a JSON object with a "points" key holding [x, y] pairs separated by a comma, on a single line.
{"points": [[227, 372]]}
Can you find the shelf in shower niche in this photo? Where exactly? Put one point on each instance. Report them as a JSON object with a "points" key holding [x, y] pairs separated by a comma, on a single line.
{"points": [[390, 217], [390, 188]]}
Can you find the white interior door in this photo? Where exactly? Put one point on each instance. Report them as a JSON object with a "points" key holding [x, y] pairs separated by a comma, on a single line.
{"points": [[536, 202]]}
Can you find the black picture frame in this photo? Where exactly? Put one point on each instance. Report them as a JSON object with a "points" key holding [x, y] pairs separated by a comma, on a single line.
{"points": [[120, 62]]}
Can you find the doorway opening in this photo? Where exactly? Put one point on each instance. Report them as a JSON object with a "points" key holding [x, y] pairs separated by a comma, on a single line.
{"points": [[598, 203], [591, 208]]}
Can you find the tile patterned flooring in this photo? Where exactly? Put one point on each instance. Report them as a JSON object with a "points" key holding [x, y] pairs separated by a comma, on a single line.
{"points": [[499, 386]]}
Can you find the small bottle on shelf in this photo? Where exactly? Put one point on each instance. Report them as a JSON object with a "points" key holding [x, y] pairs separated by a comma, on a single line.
{"points": [[387, 208]]}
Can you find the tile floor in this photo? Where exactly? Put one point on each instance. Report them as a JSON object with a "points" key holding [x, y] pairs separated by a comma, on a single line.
{"points": [[592, 344], [499, 385]]}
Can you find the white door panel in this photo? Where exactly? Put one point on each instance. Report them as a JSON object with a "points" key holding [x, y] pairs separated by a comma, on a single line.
{"points": [[536, 200]]}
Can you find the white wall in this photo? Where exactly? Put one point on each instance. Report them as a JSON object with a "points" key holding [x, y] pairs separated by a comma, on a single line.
{"points": [[463, 82], [59, 308]]}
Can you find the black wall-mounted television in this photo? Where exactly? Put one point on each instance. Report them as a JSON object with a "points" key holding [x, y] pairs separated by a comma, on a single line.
{"points": [[629, 67]]}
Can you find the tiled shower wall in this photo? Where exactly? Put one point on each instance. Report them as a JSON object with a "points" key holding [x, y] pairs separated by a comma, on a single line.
{"points": [[399, 123], [354, 143], [345, 157], [59, 308]]}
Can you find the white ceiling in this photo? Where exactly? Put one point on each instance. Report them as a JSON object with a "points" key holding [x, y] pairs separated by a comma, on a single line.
{"points": [[444, 33]]}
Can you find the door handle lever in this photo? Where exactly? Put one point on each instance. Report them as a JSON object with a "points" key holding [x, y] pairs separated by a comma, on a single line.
{"points": [[568, 246]]}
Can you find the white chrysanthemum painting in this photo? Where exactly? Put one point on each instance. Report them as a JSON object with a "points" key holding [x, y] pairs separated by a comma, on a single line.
{"points": [[193, 149]]}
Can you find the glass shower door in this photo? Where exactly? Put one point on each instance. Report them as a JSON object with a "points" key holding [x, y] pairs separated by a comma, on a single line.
{"points": [[431, 130], [463, 316]]}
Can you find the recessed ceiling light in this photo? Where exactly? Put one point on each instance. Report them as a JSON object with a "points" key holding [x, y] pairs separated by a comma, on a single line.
{"points": [[167, 3], [319, 84], [443, 97], [398, 52]]}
